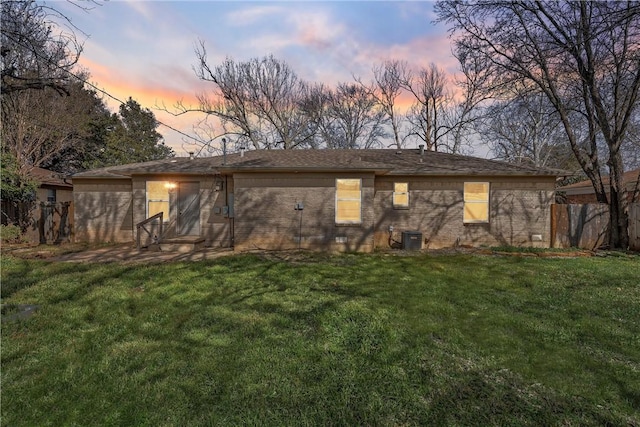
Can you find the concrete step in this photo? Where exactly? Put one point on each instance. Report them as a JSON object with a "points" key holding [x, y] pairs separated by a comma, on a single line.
{"points": [[182, 244]]}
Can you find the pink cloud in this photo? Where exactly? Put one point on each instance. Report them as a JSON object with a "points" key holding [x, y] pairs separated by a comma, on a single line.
{"points": [[250, 16], [418, 53], [151, 95], [156, 69]]}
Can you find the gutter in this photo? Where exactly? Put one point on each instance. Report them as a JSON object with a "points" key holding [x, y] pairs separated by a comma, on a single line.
{"points": [[231, 170]]}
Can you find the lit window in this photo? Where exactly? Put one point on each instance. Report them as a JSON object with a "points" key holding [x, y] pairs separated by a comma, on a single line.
{"points": [[348, 201], [400, 195], [158, 199], [476, 202]]}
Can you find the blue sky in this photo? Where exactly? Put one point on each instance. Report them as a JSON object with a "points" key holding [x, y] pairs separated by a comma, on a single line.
{"points": [[145, 49]]}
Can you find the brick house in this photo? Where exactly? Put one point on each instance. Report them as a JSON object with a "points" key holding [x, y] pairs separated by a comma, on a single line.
{"points": [[354, 200], [582, 192]]}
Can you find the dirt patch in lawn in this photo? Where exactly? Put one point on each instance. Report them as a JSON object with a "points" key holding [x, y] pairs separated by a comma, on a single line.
{"points": [[121, 253], [36, 251], [15, 312]]}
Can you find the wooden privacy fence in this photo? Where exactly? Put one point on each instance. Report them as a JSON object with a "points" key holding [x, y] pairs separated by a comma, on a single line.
{"points": [[587, 226], [634, 226], [44, 222], [55, 222]]}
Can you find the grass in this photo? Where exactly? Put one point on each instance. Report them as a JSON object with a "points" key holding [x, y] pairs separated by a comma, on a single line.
{"points": [[324, 340]]}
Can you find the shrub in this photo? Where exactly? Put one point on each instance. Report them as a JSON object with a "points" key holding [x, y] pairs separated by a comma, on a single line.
{"points": [[10, 233]]}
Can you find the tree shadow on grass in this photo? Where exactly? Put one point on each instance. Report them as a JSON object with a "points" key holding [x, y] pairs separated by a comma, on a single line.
{"points": [[501, 398], [22, 275], [19, 276]]}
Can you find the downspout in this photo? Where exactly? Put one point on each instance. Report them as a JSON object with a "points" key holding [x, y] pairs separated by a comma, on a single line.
{"points": [[229, 217]]}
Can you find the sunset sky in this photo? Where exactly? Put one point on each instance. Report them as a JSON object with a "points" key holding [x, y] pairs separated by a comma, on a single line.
{"points": [[145, 49]]}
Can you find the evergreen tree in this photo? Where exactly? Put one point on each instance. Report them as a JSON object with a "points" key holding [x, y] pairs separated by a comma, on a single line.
{"points": [[133, 137]]}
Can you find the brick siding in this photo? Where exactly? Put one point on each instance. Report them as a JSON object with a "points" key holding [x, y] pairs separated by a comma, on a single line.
{"points": [[266, 218], [518, 209], [104, 210], [107, 210]]}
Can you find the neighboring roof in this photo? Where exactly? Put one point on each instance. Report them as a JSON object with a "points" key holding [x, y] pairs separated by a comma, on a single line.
{"points": [[393, 162], [586, 187], [50, 178]]}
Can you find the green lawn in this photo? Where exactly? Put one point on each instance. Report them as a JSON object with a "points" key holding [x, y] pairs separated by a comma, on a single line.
{"points": [[324, 340]]}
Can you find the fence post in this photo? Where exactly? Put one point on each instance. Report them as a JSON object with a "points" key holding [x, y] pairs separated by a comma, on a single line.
{"points": [[42, 232], [63, 228], [634, 226], [554, 213]]}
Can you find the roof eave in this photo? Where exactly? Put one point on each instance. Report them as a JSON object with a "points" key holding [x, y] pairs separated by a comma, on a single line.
{"points": [[110, 176], [480, 173], [307, 169]]}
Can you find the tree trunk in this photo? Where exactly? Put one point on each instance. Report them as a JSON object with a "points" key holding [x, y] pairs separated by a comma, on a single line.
{"points": [[596, 180], [618, 204]]}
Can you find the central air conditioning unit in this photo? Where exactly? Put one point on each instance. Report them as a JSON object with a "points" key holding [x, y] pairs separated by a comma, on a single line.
{"points": [[411, 240]]}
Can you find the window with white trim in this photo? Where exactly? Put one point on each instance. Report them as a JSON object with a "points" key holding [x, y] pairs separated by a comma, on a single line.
{"points": [[348, 201], [476, 202], [158, 199], [401, 195]]}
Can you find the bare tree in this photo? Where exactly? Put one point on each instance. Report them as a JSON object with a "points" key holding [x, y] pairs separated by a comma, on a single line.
{"points": [[347, 117], [429, 91], [37, 52], [45, 106], [444, 108], [631, 149], [386, 88], [583, 56], [316, 106], [39, 124], [475, 90], [229, 100], [258, 101], [526, 130]]}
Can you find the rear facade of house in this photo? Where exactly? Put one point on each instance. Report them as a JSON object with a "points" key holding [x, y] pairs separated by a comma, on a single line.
{"points": [[337, 200]]}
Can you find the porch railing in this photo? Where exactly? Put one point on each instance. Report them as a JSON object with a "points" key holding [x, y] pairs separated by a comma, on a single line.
{"points": [[141, 226]]}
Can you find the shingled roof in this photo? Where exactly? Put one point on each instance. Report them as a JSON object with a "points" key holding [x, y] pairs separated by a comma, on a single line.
{"points": [[630, 178], [49, 178], [382, 162]]}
